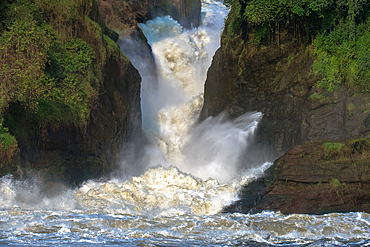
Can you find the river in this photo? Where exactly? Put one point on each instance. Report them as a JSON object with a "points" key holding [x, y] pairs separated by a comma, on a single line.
{"points": [[174, 194]]}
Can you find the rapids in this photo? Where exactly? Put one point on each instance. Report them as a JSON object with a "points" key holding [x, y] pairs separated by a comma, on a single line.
{"points": [[174, 194]]}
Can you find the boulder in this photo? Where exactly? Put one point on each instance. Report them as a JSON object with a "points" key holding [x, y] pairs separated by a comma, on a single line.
{"points": [[314, 178]]}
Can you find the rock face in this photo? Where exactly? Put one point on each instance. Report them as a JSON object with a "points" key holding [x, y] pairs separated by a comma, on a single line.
{"points": [[72, 152], [314, 178], [277, 80], [185, 12], [120, 15]]}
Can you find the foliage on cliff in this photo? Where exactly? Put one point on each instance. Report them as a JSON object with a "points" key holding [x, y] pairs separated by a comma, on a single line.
{"points": [[52, 56], [42, 65], [338, 31]]}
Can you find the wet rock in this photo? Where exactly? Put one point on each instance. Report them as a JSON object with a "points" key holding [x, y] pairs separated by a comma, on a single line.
{"points": [[313, 178], [185, 12], [120, 15], [74, 152], [277, 80]]}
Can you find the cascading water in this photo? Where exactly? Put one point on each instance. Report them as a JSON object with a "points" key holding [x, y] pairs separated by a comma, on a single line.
{"points": [[182, 59], [192, 170]]}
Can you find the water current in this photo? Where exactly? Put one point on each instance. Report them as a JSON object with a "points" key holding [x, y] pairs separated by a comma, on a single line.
{"points": [[188, 171]]}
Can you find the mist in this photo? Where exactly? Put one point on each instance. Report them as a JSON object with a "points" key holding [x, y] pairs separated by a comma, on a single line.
{"points": [[172, 98]]}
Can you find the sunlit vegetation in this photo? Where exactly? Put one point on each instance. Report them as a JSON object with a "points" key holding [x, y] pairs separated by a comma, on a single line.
{"points": [[45, 69], [8, 145], [43, 66], [337, 30], [333, 149]]}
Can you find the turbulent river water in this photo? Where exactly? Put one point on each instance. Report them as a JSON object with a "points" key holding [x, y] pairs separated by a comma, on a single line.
{"points": [[187, 173]]}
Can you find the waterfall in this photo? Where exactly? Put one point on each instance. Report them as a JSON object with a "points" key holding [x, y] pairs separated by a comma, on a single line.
{"points": [[171, 104], [189, 172]]}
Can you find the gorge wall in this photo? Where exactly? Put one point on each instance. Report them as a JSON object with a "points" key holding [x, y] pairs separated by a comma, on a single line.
{"points": [[120, 15], [276, 78], [75, 150], [83, 113], [316, 117]]}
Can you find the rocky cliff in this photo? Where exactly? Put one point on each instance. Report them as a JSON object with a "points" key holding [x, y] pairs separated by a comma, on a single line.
{"points": [[74, 151], [286, 64], [276, 78], [120, 15], [314, 178]]}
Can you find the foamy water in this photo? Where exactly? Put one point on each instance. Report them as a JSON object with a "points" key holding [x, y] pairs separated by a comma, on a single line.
{"points": [[191, 171], [163, 207]]}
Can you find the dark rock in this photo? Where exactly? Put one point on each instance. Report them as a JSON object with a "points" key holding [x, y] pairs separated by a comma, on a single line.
{"points": [[112, 34], [120, 15], [74, 152], [311, 179], [185, 12], [277, 80]]}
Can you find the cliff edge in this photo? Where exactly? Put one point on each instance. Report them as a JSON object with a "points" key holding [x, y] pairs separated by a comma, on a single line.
{"points": [[83, 106]]}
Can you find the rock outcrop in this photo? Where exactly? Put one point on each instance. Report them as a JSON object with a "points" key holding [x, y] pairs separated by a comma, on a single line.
{"points": [[314, 178], [73, 152], [185, 12], [277, 80], [267, 66], [120, 15]]}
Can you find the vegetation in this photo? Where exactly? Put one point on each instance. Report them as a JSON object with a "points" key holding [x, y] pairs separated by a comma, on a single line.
{"points": [[359, 144], [333, 149], [337, 30], [336, 183], [44, 67], [6, 139], [8, 145], [333, 146], [52, 56]]}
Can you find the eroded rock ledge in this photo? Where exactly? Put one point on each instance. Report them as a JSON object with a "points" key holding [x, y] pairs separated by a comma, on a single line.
{"points": [[314, 178]]}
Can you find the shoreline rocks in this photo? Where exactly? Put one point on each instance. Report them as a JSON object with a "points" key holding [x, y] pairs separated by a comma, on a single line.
{"points": [[313, 178]]}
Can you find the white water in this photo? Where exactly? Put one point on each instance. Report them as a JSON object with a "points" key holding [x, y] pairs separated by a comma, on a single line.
{"points": [[213, 148], [191, 172]]}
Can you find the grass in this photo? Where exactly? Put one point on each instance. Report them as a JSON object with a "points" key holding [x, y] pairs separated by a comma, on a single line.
{"points": [[334, 147], [335, 183]]}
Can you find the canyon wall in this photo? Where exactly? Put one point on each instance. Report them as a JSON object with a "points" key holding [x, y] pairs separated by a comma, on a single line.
{"points": [[120, 15], [277, 80], [74, 151], [316, 112]]}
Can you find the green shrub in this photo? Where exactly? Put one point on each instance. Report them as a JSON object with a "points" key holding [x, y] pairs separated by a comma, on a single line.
{"points": [[6, 139], [23, 52], [333, 149], [8, 147], [339, 32], [42, 66], [330, 146], [359, 144], [341, 59], [68, 82], [336, 183]]}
